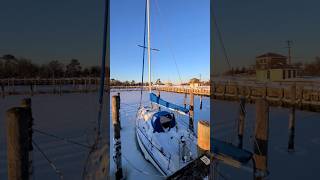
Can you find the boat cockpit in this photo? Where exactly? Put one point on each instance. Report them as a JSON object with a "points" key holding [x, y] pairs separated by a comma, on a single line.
{"points": [[163, 121]]}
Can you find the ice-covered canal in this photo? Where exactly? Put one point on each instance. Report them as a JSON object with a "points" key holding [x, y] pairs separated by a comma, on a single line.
{"points": [[134, 164], [71, 116], [74, 116]]}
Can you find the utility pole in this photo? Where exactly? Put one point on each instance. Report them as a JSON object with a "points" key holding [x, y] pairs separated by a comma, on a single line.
{"points": [[289, 42]]}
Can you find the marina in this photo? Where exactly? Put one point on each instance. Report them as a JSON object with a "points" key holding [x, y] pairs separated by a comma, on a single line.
{"points": [[133, 161]]}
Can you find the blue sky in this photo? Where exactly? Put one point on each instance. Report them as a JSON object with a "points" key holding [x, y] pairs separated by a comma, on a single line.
{"points": [[179, 28], [251, 27]]}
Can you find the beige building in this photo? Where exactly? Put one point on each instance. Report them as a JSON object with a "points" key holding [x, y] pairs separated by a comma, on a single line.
{"points": [[274, 67], [194, 82], [194, 85]]}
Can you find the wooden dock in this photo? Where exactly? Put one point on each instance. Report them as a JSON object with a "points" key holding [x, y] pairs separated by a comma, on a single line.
{"points": [[197, 169], [307, 95]]}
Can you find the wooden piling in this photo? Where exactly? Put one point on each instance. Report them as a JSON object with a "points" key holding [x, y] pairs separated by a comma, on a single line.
{"points": [[200, 102], [60, 87], [3, 93], [13, 86], [85, 85], [73, 84], [26, 103], [191, 112], [203, 136], [159, 98], [17, 119], [242, 115], [260, 149], [54, 86], [31, 88], [117, 140], [185, 100], [292, 119]]}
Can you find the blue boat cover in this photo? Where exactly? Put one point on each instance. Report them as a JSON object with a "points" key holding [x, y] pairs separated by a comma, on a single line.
{"points": [[226, 149], [154, 98], [157, 124]]}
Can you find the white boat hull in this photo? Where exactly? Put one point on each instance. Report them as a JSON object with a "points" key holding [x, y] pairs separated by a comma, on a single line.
{"points": [[147, 155]]}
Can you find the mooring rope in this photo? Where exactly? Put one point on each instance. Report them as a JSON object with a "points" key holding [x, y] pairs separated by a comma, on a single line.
{"points": [[54, 167], [61, 138]]}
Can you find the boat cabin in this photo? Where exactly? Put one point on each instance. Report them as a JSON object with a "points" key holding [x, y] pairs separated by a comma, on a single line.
{"points": [[163, 121]]}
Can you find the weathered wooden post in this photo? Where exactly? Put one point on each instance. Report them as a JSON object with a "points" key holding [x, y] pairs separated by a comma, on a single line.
{"points": [[242, 115], [191, 111], [159, 98], [54, 85], [292, 119], [185, 100], [117, 140], [85, 85], [3, 93], [31, 88], [26, 103], [17, 119], [200, 102], [97, 83], [203, 136], [73, 84], [13, 86], [60, 87], [260, 147]]}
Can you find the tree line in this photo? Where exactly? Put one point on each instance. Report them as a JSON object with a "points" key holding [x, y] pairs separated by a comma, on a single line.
{"points": [[13, 67]]}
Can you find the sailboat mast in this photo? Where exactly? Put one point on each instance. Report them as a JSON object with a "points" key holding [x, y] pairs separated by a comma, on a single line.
{"points": [[149, 49]]}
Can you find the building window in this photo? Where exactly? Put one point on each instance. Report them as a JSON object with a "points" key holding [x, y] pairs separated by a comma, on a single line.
{"points": [[289, 73], [283, 74], [268, 74], [294, 73]]}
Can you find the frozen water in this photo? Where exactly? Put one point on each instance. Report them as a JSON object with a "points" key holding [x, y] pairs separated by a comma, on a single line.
{"points": [[136, 167], [301, 164], [70, 116]]}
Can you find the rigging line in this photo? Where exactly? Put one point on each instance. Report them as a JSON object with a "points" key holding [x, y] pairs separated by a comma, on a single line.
{"points": [[102, 78], [222, 43], [61, 138], [103, 63], [57, 171], [144, 51], [169, 43]]}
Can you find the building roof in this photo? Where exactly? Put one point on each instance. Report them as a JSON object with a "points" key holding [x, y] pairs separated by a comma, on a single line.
{"points": [[270, 54]]}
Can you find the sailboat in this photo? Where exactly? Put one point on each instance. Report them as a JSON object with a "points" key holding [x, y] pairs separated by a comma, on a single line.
{"points": [[163, 142]]}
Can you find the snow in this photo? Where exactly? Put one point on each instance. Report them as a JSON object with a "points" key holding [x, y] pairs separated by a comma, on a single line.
{"points": [[70, 116], [302, 164], [136, 167], [74, 116]]}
